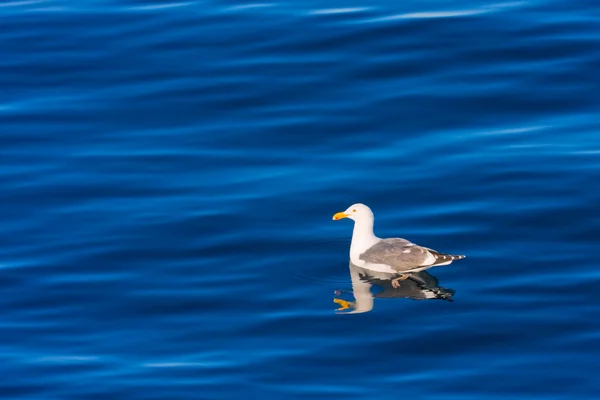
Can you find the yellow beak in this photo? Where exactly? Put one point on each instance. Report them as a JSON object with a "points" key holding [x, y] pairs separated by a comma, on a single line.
{"points": [[340, 215], [343, 303]]}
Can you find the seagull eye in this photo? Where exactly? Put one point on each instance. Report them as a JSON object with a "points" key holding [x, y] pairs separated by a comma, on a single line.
{"points": [[354, 210]]}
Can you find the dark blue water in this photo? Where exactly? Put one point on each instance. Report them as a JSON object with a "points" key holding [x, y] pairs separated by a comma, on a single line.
{"points": [[169, 172]]}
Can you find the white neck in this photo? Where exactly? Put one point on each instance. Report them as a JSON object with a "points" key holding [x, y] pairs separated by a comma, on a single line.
{"points": [[362, 237]]}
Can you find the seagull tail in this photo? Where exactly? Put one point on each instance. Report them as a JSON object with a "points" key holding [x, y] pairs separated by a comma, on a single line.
{"points": [[445, 259]]}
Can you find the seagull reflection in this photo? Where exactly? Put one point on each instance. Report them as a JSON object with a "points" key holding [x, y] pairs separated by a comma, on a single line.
{"points": [[418, 286]]}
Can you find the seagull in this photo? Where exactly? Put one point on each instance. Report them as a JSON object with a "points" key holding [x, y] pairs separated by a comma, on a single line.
{"points": [[394, 255]]}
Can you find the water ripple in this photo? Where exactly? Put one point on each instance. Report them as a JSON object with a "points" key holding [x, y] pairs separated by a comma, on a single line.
{"points": [[170, 169], [328, 11]]}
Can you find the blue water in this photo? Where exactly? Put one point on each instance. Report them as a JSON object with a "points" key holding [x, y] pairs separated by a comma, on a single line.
{"points": [[169, 172]]}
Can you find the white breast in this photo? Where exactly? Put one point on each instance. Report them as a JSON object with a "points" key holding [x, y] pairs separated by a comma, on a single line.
{"points": [[375, 267]]}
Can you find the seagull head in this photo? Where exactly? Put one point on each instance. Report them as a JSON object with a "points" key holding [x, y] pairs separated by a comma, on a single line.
{"points": [[355, 212]]}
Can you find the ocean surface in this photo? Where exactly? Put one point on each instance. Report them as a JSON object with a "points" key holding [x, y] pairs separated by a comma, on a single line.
{"points": [[169, 172]]}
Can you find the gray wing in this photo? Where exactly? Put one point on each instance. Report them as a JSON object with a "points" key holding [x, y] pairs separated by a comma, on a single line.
{"points": [[400, 254]]}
